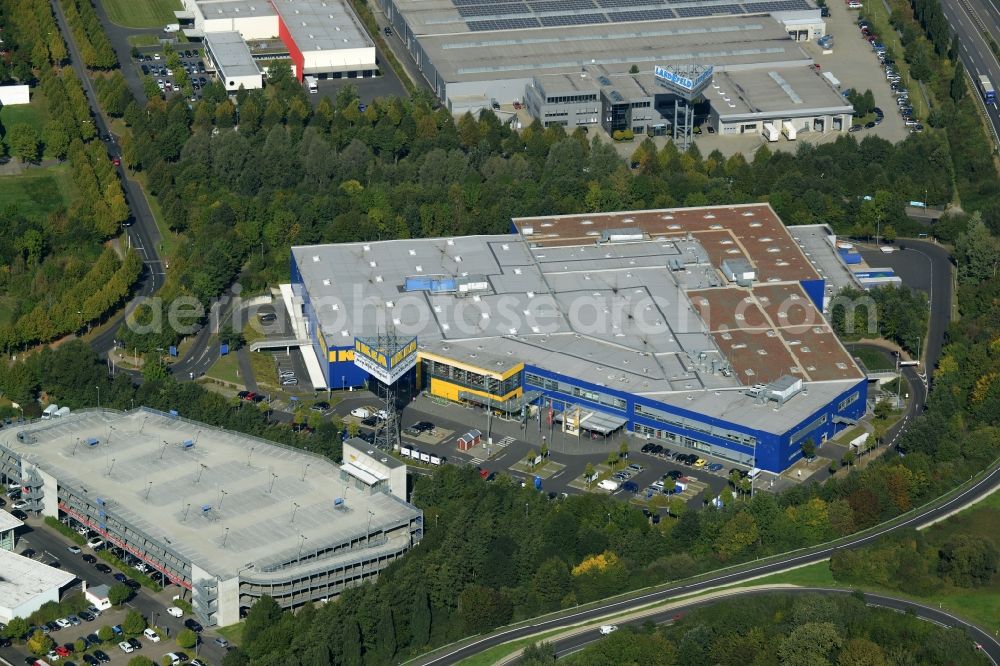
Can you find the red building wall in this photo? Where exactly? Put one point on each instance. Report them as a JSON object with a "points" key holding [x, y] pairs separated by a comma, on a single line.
{"points": [[293, 49]]}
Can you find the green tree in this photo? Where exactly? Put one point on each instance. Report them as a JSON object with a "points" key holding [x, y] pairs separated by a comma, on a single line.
{"points": [[119, 594], [24, 142], [483, 608], [968, 560], [351, 645], [613, 459], [861, 652], [56, 138], [105, 633], [420, 618], [957, 88], [848, 458], [187, 639], [552, 582], [80, 646], [809, 449], [809, 644], [588, 472], [231, 337], [39, 643], [141, 661], [134, 623], [16, 628], [623, 449], [539, 654]]}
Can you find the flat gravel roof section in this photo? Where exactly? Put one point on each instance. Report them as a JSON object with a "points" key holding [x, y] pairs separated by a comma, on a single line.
{"points": [[22, 579], [815, 241], [239, 492]]}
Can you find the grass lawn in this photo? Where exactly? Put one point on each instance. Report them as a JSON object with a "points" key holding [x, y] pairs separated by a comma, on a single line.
{"points": [[226, 369], [848, 435], [875, 361], [35, 114], [37, 192], [496, 653], [264, 369], [233, 633], [142, 13]]}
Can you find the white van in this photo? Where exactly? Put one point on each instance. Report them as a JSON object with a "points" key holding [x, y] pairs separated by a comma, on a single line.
{"points": [[151, 635], [50, 411], [361, 412], [608, 484], [754, 473]]}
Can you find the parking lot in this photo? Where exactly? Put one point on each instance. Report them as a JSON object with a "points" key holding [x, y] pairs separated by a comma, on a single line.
{"points": [[152, 62], [41, 543]]}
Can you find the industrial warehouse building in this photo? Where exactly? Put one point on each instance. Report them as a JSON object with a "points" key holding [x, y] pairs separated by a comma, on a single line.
{"points": [[323, 38], [573, 62], [226, 516], [699, 327]]}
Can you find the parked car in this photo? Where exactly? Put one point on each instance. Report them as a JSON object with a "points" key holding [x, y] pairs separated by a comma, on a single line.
{"points": [[423, 426], [151, 635], [90, 660], [607, 629], [89, 559], [103, 568], [174, 611], [193, 625], [96, 543], [74, 549], [321, 407], [126, 647], [86, 616]]}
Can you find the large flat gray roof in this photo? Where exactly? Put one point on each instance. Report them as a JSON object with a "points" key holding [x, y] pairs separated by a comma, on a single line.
{"points": [[231, 54], [24, 579], [618, 315], [724, 41], [154, 480], [322, 25], [796, 90], [219, 9]]}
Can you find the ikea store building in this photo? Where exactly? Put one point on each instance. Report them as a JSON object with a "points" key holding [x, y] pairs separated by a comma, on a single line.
{"points": [[700, 328]]}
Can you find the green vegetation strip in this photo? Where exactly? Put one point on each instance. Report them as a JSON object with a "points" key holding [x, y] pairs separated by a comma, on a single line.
{"points": [[135, 574], [876, 13], [233, 633], [65, 530]]}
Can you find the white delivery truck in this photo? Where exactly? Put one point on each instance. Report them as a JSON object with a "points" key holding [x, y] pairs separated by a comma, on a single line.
{"points": [[172, 27], [788, 130], [312, 84], [770, 132], [62, 411], [50, 411], [609, 485]]}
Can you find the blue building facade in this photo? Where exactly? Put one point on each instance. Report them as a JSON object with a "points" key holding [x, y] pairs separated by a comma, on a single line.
{"points": [[681, 428], [336, 361]]}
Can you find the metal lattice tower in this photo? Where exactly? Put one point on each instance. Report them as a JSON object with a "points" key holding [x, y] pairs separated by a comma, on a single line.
{"points": [[386, 357]]}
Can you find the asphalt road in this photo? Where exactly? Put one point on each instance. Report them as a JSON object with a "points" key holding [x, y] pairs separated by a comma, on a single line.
{"points": [[455, 654], [969, 19], [141, 230], [990, 645], [924, 266], [44, 540]]}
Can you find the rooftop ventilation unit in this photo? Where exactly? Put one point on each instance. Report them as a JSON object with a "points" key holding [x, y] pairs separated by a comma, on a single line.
{"points": [[624, 235]]}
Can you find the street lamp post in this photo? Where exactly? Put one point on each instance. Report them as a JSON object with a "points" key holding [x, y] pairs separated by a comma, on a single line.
{"points": [[98, 396], [295, 508]]}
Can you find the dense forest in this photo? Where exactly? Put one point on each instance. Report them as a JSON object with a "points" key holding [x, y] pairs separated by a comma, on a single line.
{"points": [[779, 628], [894, 313]]}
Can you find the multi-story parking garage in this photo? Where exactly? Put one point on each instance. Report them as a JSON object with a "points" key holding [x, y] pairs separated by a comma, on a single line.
{"points": [[700, 327], [226, 516]]}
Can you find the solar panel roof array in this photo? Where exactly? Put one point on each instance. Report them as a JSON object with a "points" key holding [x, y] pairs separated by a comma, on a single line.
{"points": [[578, 12]]}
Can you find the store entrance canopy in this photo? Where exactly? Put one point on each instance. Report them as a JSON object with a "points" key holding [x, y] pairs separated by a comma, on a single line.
{"points": [[598, 422]]}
